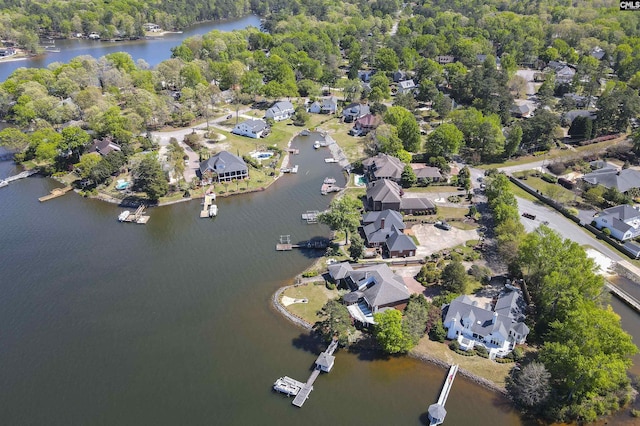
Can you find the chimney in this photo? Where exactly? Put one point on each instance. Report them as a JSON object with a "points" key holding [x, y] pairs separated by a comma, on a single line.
{"points": [[495, 317], [382, 223]]}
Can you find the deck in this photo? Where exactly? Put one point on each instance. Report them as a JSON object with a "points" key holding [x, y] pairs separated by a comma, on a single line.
{"points": [[206, 206], [137, 217], [437, 411], [55, 193], [624, 296]]}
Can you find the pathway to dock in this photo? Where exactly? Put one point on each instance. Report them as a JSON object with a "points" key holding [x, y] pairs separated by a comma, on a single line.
{"points": [[437, 411], [624, 296]]}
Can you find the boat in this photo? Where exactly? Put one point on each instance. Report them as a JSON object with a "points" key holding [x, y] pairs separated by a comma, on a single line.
{"points": [[213, 210], [123, 216], [329, 180], [3, 183], [294, 169], [330, 160], [287, 386], [316, 144], [305, 132]]}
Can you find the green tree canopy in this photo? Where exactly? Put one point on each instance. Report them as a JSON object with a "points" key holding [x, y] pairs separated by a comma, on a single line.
{"points": [[389, 333], [150, 178], [445, 141], [343, 215]]}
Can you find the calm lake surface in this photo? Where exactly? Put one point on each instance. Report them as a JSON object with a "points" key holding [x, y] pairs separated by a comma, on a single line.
{"points": [[153, 51], [171, 322]]}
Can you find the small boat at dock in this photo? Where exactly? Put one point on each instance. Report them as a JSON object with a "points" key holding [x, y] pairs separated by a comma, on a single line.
{"points": [[316, 144], [123, 216], [213, 210], [305, 132], [329, 180], [3, 183]]}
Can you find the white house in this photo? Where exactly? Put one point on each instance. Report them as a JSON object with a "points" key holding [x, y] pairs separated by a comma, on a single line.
{"points": [[407, 86], [623, 222], [251, 128], [498, 330], [280, 111]]}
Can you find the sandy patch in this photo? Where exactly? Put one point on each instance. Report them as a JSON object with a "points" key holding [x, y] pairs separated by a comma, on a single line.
{"points": [[433, 239], [605, 263], [286, 300]]}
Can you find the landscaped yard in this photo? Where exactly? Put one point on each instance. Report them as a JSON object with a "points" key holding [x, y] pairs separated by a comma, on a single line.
{"points": [[447, 212], [317, 295], [485, 368], [557, 192], [519, 192], [353, 146]]}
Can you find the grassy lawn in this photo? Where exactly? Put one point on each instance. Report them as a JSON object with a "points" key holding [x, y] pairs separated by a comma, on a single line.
{"points": [[485, 368], [465, 226], [436, 189], [519, 192], [452, 212], [352, 146], [316, 293], [563, 196]]}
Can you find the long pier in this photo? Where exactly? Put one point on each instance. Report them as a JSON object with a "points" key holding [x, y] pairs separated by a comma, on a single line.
{"points": [[25, 174], [437, 411], [55, 193], [623, 295], [289, 386]]}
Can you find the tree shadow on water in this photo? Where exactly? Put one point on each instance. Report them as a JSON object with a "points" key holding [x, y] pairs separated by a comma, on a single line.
{"points": [[367, 350], [309, 342]]}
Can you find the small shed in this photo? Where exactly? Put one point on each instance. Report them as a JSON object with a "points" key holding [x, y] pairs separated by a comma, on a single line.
{"points": [[325, 362]]}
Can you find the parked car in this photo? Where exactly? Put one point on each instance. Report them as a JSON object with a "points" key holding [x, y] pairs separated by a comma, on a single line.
{"points": [[529, 215], [229, 117], [442, 225]]}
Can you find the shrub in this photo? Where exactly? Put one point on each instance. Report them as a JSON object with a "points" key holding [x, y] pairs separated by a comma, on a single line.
{"points": [[330, 285], [481, 351], [503, 360], [517, 354], [438, 333], [454, 345], [607, 232], [309, 274], [549, 178]]}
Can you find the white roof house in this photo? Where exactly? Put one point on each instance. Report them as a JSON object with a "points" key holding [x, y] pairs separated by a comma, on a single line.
{"points": [[251, 128], [280, 111]]}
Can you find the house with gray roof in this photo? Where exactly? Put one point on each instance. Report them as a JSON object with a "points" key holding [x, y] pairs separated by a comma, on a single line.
{"points": [[383, 166], [386, 229], [498, 329], [225, 167], [426, 173], [610, 177], [407, 86], [385, 194], [251, 128], [565, 75], [623, 222], [325, 106], [374, 288], [521, 111], [354, 111], [103, 146], [280, 111]]}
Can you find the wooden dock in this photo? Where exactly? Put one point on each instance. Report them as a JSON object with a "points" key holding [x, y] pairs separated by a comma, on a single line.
{"points": [[286, 245], [209, 209], [55, 193], [311, 216], [137, 217], [624, 296], [437, 411], [327, 188], [290, 386]]}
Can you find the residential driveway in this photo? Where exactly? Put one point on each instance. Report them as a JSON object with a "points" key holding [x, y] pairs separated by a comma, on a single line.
{"points": [[433, 239], [528, 76]]}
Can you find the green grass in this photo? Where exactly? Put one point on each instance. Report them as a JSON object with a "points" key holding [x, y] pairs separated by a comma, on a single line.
{"points": [[316, 293], [452, 212], [464, 225], [353, 147], [436, 189], [538, 184], [519, 192]]}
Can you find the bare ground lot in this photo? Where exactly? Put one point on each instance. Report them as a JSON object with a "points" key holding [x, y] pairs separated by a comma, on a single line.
{"points": [[433, 239]]}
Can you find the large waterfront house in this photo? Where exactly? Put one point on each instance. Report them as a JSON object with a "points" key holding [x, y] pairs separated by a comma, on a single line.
{"points": [[385, 229], [498, 329], [251, 128], [364, 125], [374, 288], [225, 167], [383, 166], [623, 222], [354, 111], [280, 111], [385, 194]]}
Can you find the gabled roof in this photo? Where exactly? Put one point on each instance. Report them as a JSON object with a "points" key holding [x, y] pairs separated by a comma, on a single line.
{"points": [[376, 283], [385, 166], [569, 116], [384, 190], [415, 203], [520, 109], [611, 178], [398, 241], [223, 162], [484, 321], [624, 212], [566, 71], [378, 226], [368, 120], [407, 84], [280, 107], [329, 103], [254, 125], [422, 171], [356, 109], [103, 146]]}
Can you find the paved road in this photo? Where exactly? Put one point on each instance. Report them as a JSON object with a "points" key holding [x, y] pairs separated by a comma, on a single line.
{"points": [[563, 226]]}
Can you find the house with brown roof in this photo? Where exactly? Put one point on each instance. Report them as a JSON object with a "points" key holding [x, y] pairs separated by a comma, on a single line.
{"points": [[385, 229], [385, 194], [364, 125], [103, 146], [426, 173]]}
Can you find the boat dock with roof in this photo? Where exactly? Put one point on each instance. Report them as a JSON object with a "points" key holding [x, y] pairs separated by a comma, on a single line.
{"points": [[301, 391], [437, 411]]}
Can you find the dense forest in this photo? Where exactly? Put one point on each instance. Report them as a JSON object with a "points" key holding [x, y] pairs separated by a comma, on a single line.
{"points": [[464, 57]]}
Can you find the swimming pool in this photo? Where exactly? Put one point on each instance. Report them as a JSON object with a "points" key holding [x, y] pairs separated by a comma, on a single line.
{"points": [[262, 155], [359, 180]]}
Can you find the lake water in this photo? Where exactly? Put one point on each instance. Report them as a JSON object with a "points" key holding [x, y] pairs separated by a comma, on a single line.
{"points": [[153, 51], [171, 322]]}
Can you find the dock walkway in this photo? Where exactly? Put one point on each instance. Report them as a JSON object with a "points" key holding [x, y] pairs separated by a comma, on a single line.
{"points": [[624, 296], [22, 175], [55, 193], [290, 386], [437, 411]]}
